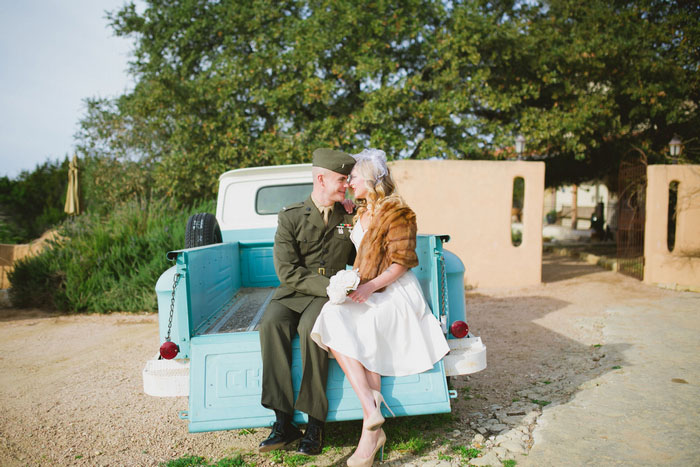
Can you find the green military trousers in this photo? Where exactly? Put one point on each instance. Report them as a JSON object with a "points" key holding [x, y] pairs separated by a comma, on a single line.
{"points": [[277, 328]]}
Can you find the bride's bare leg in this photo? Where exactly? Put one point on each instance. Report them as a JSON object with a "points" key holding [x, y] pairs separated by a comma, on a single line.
{"points": [[374, 379], [357, 375], [362, 381]]}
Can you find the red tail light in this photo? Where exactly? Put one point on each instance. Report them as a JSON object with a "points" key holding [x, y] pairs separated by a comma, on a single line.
{"points": [[459, 329], [169, 350]]}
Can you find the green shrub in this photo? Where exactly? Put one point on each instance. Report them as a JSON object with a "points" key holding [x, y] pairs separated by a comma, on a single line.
{"points": [[34, 281], [104, 264], [33, 202]]}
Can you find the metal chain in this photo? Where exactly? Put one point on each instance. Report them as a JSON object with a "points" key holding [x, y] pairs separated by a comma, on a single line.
{"points": [[443, 274], [176, 279]]}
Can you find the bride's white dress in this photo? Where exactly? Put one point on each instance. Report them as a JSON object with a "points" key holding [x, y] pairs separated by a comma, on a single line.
{"points": [[393, 333]]}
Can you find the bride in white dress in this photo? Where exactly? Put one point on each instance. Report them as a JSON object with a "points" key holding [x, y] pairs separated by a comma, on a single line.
{"points": [[384, 327]]}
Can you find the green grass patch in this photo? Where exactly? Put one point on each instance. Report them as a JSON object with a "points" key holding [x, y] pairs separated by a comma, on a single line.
{"points": [[187, 461], [277, 456], [617, 367], [415, 434], [335, 449], [539, 402], [293, 460], [232, 462], [465, 452], [509, 463], [414, 445], [597, 346], [199, 461]]}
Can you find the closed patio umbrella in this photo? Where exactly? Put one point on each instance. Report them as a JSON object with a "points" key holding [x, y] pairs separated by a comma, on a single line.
{"points": [[72, 204]]}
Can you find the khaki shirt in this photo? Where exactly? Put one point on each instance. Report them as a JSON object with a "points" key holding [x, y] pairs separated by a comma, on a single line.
{"points": [[322, 208], [307, 253]]}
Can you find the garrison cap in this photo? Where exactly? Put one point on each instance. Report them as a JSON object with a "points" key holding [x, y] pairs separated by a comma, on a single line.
{"points": [[337, 161]]}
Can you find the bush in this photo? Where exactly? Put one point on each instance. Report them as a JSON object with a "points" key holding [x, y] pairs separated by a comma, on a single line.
{"points": [[104, 264], [32, 203]]}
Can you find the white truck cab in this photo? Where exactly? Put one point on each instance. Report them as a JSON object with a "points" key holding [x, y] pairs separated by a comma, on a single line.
{"points": [[251, 198]]}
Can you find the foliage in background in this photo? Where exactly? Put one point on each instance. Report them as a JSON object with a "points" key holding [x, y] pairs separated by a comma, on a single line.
{"points": [[104, 263], [238, 84], [222, 85], [33, 202], [600, 81], [118, 158]]}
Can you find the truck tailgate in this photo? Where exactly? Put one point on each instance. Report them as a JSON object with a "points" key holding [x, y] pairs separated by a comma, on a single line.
{"points": [[226, 385]]}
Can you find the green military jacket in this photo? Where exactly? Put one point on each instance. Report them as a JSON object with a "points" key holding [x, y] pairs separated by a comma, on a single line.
{"points": [[307, 253]]}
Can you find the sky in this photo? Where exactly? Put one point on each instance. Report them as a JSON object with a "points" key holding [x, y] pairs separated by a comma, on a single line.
{"points": [[53, 55]]}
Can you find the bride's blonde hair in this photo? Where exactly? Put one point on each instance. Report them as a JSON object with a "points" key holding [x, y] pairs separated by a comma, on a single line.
{"points": [[380, 185]]}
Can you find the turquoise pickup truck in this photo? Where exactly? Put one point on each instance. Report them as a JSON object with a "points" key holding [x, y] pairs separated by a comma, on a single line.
{"points": [[211, 301]]}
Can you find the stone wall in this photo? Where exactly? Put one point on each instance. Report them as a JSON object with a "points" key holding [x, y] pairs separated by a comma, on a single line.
{"points": [[679, 268], [472, 202]]}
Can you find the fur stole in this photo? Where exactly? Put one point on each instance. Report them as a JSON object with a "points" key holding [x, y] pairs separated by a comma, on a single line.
{"points": [[390, 238]]}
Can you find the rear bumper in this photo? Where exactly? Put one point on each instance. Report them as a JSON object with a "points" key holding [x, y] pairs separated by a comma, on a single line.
{"points": [[166, 378], [171, 378], [466, 356]]}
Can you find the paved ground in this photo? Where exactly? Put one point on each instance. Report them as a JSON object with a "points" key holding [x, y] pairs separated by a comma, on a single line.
{"points": [[589, 368], [646, 412]]}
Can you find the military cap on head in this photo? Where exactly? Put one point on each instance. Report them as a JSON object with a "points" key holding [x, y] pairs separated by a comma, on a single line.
{"points": [[337, 161]]}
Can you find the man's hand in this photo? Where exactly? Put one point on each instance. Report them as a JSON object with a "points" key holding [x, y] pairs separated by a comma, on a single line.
{"points": [[348, 205]]}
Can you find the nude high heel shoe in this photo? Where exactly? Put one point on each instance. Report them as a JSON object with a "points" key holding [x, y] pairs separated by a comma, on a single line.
{"points": [[375, 420], [356, 461]]}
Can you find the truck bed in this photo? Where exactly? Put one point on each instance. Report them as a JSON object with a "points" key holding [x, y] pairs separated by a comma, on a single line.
{"points": [[242, 313], [220, 293]]}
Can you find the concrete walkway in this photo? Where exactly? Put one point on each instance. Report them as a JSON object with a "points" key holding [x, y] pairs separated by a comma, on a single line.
{"points": [[647, 412]]}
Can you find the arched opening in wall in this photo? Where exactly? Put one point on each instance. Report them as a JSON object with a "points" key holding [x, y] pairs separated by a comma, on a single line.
{"points": [[517, 210], [672, 215]]}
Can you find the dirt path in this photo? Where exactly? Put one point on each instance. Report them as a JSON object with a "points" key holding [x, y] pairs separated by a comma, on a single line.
{"points": [[71, 390]]}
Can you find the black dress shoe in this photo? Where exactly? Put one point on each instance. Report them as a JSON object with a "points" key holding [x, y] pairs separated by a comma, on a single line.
{"points": [[281, 435], [312, 442]]}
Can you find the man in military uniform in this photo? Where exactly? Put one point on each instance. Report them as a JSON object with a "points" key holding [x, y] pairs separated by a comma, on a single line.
{"points": [[311, 244]]}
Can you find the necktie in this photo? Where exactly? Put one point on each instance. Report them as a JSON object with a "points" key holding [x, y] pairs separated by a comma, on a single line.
{"points": [[326, 212]]}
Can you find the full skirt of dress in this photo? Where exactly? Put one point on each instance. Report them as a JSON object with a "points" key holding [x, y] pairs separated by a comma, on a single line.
{"points": [[393, 333]]}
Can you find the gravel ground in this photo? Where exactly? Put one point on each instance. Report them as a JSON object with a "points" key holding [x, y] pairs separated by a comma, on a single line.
{"points": [[71, 390]]}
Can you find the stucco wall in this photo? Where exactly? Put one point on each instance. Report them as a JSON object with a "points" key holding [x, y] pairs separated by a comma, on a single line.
{"points": [[471, 201], [681, 267]]}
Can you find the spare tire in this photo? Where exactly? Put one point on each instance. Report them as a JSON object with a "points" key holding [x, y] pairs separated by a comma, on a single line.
{"points": [[202, 229]]}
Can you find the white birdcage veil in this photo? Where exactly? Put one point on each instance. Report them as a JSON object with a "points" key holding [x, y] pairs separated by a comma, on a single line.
{"points": [[377, 157]]}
